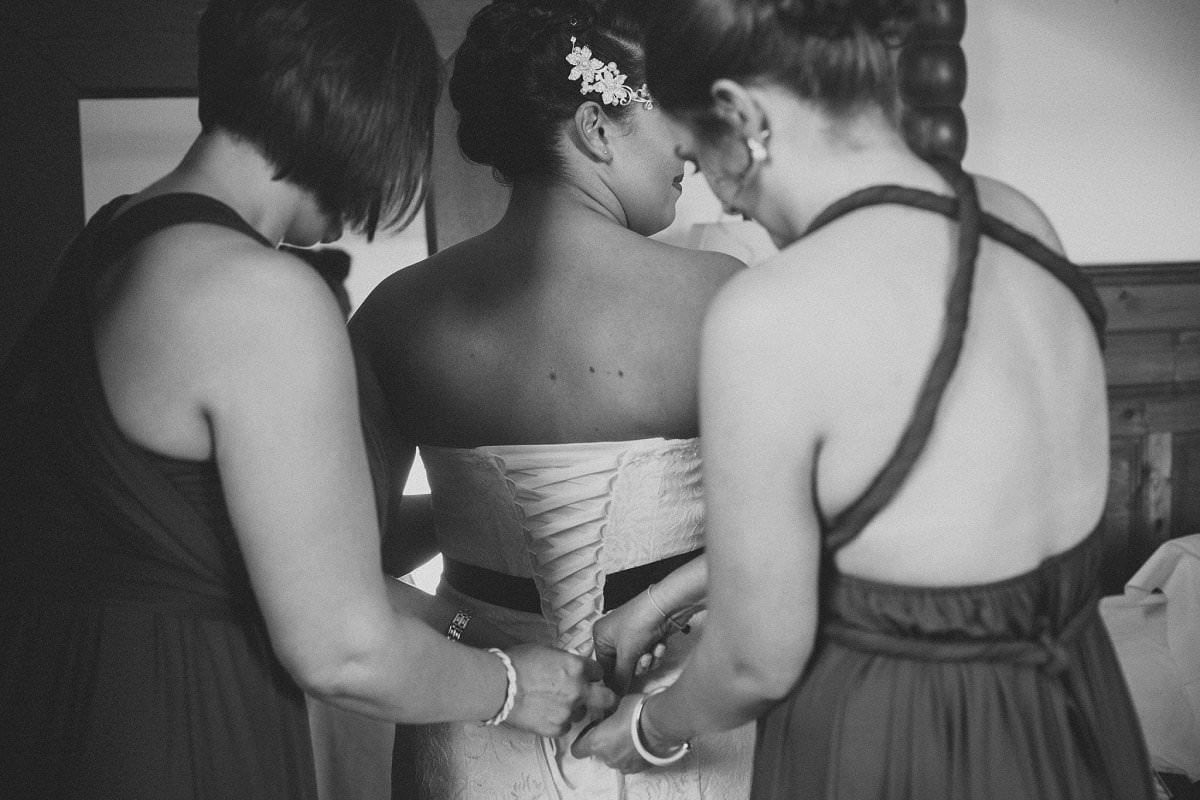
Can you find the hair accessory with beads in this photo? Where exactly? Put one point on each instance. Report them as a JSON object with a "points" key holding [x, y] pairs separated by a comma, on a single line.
{"points": [[604, 79]]}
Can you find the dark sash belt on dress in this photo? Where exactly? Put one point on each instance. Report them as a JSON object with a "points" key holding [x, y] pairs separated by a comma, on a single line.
{"points": [[521, 594], [1044, 650]]}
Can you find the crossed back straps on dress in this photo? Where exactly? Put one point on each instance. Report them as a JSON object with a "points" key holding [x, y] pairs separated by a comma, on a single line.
{"points": [[973, 222]]}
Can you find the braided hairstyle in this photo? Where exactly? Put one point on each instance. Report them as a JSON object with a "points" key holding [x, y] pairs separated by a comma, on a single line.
{"points": [[510, 84], [838, 54]]}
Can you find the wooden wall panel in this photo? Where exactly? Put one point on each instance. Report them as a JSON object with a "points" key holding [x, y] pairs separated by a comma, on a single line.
{"points": [[1121, 511], [1153, 363], [1141, 358], [1166, 306], [1153, 296], [1185, 511], [1141, 410]]}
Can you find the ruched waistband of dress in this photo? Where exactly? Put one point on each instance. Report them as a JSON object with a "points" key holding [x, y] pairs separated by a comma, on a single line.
{"points": [[100, 592], [521, 594], [1047, 650]]}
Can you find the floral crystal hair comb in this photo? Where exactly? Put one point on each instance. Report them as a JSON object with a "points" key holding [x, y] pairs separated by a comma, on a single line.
{"points": [[604, 79]]}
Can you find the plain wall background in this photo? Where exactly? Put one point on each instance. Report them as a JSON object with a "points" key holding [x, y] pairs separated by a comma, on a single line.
{"points": [[1092, 108]]}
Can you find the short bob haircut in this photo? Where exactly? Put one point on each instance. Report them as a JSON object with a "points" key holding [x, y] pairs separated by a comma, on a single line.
{"points": [[339, 95], [838, 54]]}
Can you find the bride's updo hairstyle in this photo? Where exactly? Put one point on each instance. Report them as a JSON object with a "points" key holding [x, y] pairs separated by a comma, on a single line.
{"points": [[838, 54], [510, 82]]}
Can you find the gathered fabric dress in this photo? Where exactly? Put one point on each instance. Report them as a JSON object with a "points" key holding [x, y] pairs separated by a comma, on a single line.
{"points": [[136, 663], [1007, 690], [539, 540]]}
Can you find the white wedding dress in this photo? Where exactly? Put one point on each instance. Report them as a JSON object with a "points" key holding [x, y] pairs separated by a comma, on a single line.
{"points": [[565, 515]]}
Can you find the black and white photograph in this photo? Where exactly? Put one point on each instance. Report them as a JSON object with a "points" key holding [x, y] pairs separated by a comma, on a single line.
{"points": [[600, 400]]}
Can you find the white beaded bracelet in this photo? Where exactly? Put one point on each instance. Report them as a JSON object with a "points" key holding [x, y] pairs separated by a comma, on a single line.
{"points": [[510, 694], [635, 732]]}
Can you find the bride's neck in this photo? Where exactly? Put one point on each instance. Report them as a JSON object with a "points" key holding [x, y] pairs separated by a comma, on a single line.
{"points": [[559, 204]]}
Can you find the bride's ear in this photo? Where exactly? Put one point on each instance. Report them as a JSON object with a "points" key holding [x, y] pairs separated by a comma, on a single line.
{"points": [[733, 104], [592, 130]]}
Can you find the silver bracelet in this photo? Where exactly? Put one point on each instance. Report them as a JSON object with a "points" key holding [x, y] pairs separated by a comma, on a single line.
{"points": [[510, 694], [635, 733], [458, 625], [679, 626]]}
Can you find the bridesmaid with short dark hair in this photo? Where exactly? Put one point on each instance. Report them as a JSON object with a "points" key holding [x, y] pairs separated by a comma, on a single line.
{"points": [[189, 540]]}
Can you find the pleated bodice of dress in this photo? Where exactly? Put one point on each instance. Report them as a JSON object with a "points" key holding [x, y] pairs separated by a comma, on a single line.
{"points": [[560, 524], [567, 515]]}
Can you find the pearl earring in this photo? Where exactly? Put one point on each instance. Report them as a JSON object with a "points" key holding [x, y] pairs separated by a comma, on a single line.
{"points": [[758, 150]]}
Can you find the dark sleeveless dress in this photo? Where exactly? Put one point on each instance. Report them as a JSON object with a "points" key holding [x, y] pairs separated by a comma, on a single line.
{"points": [[135, 661], [1008, 690]]}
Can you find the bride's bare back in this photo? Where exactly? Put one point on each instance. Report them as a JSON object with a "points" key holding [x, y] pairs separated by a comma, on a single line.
{"points": [[558, 328]]}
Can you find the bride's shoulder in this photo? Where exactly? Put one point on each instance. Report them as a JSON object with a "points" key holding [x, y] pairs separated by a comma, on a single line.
{"points": [[708, 263], [414, 286]]}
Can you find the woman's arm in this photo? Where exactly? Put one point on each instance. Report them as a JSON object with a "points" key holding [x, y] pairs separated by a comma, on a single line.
{"points": [[439, 613], [279, 390], [410, 539], [761, 428], [626, 636], [409, 536]]}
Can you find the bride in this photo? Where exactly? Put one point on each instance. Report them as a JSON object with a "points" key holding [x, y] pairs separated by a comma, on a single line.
{"points": [[547, 370]]}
